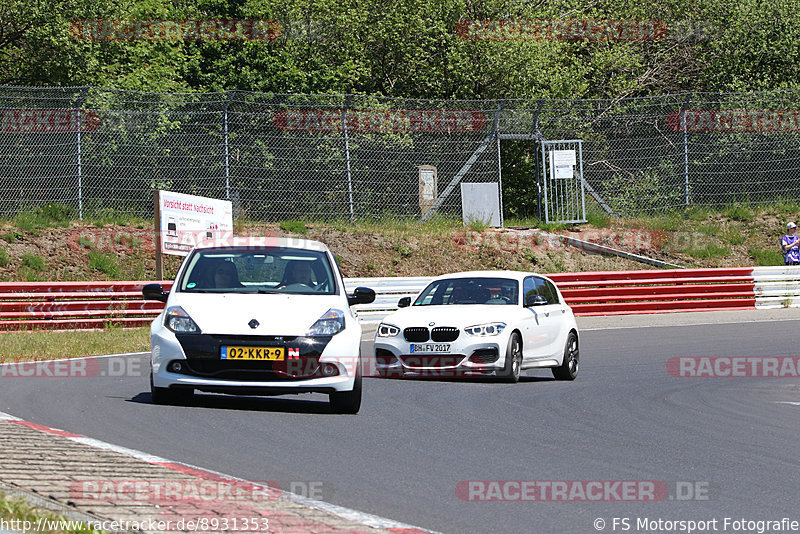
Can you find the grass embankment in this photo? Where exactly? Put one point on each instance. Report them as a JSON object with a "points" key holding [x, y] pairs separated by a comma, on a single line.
{"points": [[48, 244], [21, 515], [53, 345]]}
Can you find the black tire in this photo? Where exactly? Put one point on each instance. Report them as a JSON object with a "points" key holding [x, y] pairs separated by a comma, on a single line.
{"points": [[348, 402], [513, 361], [167, 396], [568, 369]]}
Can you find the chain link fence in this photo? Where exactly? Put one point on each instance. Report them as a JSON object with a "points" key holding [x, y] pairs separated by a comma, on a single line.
{"points": [[354, 157]]}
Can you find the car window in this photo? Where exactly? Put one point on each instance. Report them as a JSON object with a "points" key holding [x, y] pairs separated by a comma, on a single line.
{"points": [[547, 290], [553, 292], [501, 291], [529, 288], [251, 270]]}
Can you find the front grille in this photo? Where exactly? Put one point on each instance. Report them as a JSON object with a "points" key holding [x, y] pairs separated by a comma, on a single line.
{"points": [[432, 361], [484, 356], [416, 334], [444, 334], [219, 370], [306, 366]]}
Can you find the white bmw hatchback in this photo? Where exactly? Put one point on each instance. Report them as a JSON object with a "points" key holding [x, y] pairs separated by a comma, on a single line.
{"points": [[494, 323], [257, 316]]}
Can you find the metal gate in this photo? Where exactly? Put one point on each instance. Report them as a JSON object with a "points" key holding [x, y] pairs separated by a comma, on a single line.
{"points": [[562, 179]]}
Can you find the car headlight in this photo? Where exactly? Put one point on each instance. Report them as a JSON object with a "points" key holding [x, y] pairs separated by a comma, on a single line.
{"points": [[387, 330], [179, 321], [331, 323], [488, 329]]}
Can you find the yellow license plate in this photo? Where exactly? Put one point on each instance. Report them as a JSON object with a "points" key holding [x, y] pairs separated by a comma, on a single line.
{"points": [[252, 353]]}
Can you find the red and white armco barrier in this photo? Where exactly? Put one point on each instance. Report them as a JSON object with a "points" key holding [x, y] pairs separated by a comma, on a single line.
{"points": [[777, 287], [609, 292], [75, 305], [672, 290], [84, 305]]}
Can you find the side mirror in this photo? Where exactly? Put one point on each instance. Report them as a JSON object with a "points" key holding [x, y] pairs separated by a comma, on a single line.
{"points": [[404, 302], [361, 295], [155, 292], [534, 300]]}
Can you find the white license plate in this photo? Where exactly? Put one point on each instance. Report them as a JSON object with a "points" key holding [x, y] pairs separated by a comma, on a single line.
{"points": [[417, 348]]}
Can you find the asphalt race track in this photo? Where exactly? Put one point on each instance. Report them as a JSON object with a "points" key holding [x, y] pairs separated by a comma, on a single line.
{"points": [[722, 447]]}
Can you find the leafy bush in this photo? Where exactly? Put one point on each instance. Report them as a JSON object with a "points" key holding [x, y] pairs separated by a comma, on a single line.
{"points": [[33, 262], [105, 263], [708, 252], [45, 216], [403, 250], [11, 236], [477, 225], [699, 213], [737, 212], [56, 212], [766, 257], [733, 237], [598, 220], [294, 227]]}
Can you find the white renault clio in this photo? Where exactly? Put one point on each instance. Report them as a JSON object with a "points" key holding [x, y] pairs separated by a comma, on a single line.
{"points": [[257, 316]]}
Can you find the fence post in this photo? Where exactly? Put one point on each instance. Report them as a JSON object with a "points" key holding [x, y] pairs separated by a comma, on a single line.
{"points": [[225, 141], [685, 149], [82, 119], [500, 182], [539, 139], [347, 155]]}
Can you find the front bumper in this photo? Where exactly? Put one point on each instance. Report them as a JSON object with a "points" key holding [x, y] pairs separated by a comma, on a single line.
{"points": [[466, 357], [323, 365]]}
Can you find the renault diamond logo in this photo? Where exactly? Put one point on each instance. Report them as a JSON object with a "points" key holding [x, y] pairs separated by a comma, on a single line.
{"points": [[253, 323]]}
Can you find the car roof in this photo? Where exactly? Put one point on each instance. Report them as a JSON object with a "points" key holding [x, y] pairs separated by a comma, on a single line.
{"points": [[262, 242], [516, 275]]}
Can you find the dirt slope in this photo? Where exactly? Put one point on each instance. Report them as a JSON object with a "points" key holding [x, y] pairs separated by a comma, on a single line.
{"points": [[81, 251]]}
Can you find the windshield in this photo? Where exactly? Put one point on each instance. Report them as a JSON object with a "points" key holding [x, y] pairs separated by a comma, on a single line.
{"points": [[502, 291], [258, 270]]}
